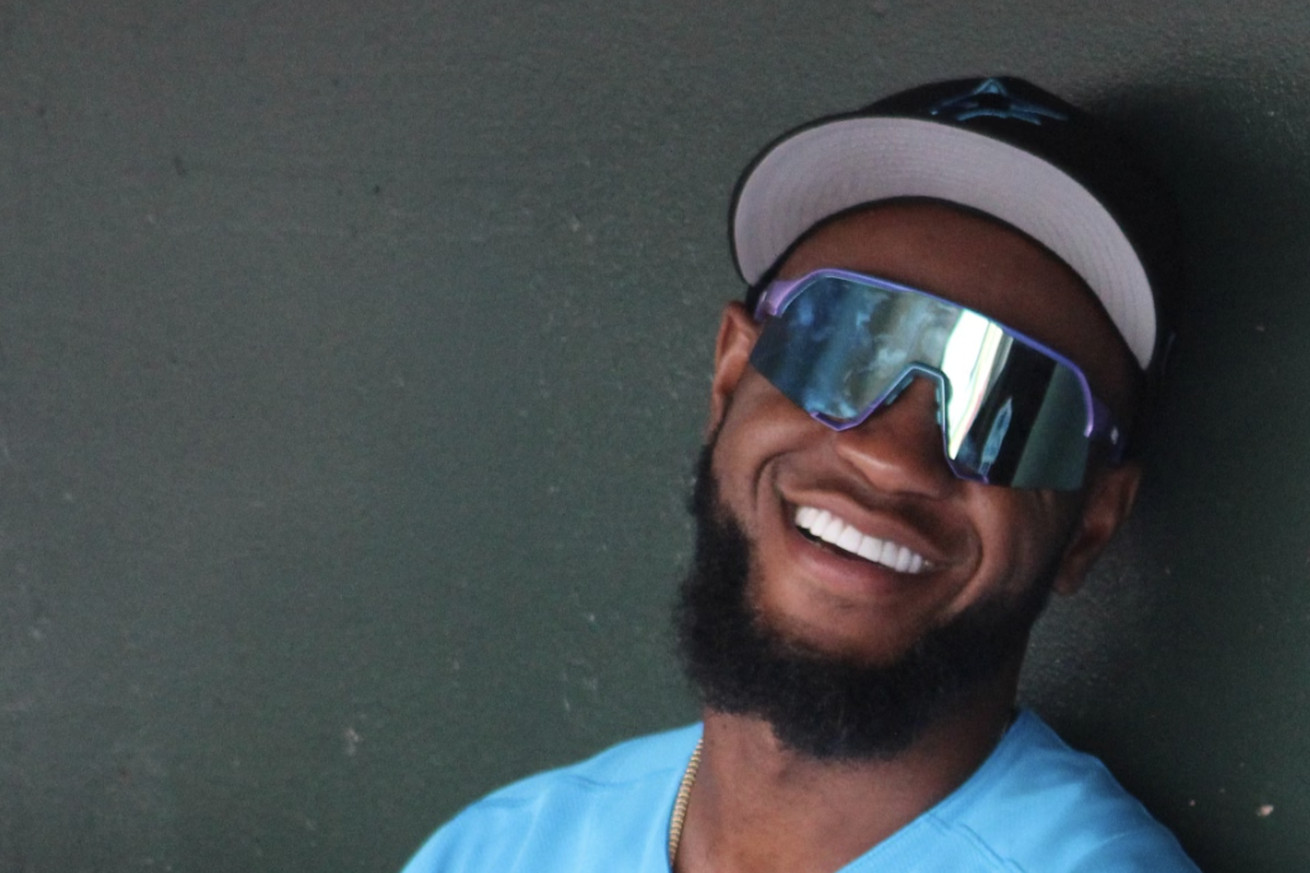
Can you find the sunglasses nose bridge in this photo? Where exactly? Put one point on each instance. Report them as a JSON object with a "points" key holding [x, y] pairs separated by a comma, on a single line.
{"points": [[909, 376], [895, 391], [897, 446]]}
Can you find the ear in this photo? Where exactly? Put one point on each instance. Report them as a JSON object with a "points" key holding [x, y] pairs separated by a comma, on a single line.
{"points": [[732, 351], [1107, 504]]}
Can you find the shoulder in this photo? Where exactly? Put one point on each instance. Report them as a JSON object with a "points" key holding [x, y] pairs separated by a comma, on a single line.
{"points": [[1038, 804], [571, 817]]}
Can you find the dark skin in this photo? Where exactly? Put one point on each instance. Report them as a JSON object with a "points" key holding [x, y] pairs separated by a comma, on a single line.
{"points": [[757, 806]]}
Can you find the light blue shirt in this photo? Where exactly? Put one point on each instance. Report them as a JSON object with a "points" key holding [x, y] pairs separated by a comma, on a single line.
{"points": [[1034, 805]]}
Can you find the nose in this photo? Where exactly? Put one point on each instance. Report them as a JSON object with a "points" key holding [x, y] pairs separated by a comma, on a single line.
{"points": [[898, 449]]}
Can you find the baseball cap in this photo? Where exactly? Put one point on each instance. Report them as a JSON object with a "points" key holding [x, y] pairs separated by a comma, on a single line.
{"points": [[1001, 146]]}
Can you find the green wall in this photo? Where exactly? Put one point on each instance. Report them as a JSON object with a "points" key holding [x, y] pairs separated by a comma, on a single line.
{"points": [[352, 366]]}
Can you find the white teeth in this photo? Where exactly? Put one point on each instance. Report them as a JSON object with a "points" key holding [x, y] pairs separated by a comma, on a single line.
{"points": [[824, 525], [850, 540], [828, 527]]}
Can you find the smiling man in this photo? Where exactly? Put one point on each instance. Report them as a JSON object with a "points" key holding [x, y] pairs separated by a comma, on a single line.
{"points": [[920, 427]]}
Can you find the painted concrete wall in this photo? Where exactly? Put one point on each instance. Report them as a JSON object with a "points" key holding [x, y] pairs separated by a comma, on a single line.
{"points": [[353, 360]]}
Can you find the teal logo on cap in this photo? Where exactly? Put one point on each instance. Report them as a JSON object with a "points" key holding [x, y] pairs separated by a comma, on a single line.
{"points": [[992, 100]]}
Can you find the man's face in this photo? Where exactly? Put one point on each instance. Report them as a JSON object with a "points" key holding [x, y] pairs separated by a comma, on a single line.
{"points": [[968, 546]]}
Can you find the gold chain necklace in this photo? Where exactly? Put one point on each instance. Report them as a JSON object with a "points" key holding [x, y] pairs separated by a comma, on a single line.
{"points": [[680, 805]]}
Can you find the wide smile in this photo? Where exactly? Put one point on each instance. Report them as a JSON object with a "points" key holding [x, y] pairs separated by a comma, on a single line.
{"points": [[822, 525]]}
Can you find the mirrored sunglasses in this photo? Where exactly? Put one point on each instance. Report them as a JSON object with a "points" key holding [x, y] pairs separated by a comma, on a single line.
{"points": [[1013, 412]]}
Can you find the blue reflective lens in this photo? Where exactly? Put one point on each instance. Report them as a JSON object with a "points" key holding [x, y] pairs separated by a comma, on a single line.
{"points": [[1013, 412]]}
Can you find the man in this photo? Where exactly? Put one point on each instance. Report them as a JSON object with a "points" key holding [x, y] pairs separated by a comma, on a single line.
{"points": [[919, 427]]}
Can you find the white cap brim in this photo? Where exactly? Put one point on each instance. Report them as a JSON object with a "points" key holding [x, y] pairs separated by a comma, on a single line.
{"points": [[835, 166]]}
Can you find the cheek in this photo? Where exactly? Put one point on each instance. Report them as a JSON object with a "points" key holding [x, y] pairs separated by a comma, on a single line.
{"points": [[758, 425], [1023, 533]]}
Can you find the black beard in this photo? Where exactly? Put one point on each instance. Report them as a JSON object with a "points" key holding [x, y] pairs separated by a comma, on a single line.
{"points": [[829, 707]]}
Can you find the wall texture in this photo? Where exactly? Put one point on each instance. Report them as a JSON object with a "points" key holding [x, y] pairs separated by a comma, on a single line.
{"points": [[352, 366]]}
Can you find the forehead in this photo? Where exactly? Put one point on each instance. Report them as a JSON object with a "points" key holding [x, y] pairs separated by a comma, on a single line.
{"points": [[981, 264]]}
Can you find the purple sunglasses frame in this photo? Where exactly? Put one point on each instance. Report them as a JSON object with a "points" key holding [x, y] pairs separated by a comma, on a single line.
{"points": [[780, 292]]}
